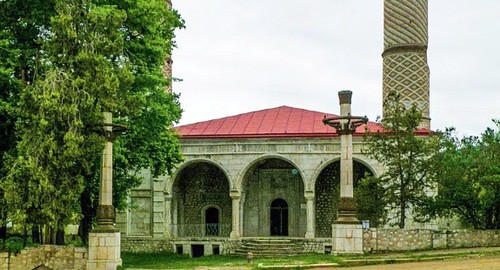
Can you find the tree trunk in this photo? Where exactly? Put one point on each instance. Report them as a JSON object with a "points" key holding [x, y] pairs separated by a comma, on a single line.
{"points": [[60, 236], [36, 235], [3, 231], [402, 209], [88, 213]]}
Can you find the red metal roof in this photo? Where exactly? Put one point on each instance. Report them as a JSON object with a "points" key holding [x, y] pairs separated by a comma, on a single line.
{"points": [[280, 122]]}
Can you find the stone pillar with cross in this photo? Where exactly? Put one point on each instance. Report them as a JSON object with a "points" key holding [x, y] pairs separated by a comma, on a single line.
{"points": [[347, 231], [104, 240]]}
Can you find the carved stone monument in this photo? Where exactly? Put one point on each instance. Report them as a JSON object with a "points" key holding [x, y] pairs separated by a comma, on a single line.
{"points": [[104, 240], [347, 231]]}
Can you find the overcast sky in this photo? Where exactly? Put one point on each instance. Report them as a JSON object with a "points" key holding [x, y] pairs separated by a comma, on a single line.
{"points": [[237, 56]]}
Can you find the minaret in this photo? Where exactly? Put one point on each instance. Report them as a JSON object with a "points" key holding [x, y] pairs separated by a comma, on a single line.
{"points": [[167, 65], [405, 68]]}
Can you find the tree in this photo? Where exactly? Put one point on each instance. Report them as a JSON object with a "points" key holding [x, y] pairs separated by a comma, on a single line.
{"points": [[93, 56], [371, 200], [20, 24], [469, 179], [407, 158]]}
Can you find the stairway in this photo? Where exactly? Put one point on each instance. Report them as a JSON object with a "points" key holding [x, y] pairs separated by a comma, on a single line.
{"points": [[268, 247]]}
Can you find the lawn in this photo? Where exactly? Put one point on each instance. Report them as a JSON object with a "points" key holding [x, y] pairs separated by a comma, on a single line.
{"points": [[176, 261]]}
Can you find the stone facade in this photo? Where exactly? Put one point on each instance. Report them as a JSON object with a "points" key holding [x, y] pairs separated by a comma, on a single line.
{"points": [[50, 256], [380, 240], [245, 177]]}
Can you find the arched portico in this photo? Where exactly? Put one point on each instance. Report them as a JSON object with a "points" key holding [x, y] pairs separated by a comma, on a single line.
{"points": [[267, 180], [201, 203], [327, 192]]}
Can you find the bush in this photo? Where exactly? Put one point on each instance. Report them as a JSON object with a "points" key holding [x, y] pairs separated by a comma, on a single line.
{"points": [[14, 244]]}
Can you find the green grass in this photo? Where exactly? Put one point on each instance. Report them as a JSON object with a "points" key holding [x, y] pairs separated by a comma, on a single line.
{"points": [[175, 261]]}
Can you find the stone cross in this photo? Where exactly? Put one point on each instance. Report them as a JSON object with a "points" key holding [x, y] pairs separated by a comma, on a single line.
{"points": [[104, 240], [346, 230]]}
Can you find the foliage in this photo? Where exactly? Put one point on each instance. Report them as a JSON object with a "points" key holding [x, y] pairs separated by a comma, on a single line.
{"points": [[88, 56], [371, 201], [408, 159], [14, 244], [469, 179]]}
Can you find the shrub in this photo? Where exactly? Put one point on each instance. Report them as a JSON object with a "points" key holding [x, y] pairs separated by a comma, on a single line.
{"points": [[14, 244]]}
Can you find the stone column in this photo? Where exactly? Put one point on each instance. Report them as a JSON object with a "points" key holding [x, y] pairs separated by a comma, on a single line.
{"points": [[347, 205], [347, 231], [235, 215], [405, 69], [310, 229], [168, 216], [105, 210], [104, 240]]}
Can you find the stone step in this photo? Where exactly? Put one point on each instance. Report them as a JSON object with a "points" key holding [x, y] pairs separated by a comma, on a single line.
{"points": [[268, 247]]}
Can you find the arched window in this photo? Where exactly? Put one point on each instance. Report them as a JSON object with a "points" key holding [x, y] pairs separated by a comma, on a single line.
{"points": [[211, 221]]}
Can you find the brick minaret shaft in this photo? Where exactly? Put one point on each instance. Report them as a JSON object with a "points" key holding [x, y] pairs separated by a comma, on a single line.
{"points": [[167, 66], [405, 68]]}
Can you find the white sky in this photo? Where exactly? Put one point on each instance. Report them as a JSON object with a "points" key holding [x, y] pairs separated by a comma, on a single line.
{"points": [[237, 56]]}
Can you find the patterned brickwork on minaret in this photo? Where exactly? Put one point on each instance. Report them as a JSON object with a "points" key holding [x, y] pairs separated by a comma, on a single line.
{"points": [[167, 66], [405, 68]]}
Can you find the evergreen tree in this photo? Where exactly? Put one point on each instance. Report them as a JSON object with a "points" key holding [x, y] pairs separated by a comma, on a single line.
{"points": [[89, 56]]}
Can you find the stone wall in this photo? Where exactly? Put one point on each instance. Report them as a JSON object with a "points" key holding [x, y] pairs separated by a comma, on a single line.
{"points": [[318, 245], [375, 240], [131, 244], [53, 257]]}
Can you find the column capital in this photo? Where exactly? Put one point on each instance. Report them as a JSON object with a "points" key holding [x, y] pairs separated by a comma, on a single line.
{"points": [[309, 195], [345, 97], [168, 196], [235, 194]]}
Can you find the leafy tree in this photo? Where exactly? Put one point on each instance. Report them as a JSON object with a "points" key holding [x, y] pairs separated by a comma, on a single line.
{"points": [[91, 56], [469, 179], [371, 200], [407, 157]]}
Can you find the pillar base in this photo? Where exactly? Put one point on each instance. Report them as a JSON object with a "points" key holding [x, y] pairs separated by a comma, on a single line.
{"points": [[234, 235], [104, 250], [347, 238], [309, 235]]}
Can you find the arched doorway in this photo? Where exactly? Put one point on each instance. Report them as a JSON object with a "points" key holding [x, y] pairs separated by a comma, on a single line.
{"points": [[267, 180], [212, 221], [279, 218]]}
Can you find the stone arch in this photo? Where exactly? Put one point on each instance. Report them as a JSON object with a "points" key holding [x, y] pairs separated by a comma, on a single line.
{"points": [[170, 184], [265, 179], [197, 186], [243, 173], [327, 192], [323, 165]]}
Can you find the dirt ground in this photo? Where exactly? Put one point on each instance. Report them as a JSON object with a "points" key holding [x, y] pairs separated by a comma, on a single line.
{"points": [[468, 263]]}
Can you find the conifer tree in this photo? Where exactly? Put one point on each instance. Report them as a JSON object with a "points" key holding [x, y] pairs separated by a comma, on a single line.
{"points": [[88, 56]]}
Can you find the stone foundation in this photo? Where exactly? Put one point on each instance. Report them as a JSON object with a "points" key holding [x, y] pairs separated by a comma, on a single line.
{"points": [[50, 256], [104, 251], [347, 238], [146, 244]]}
